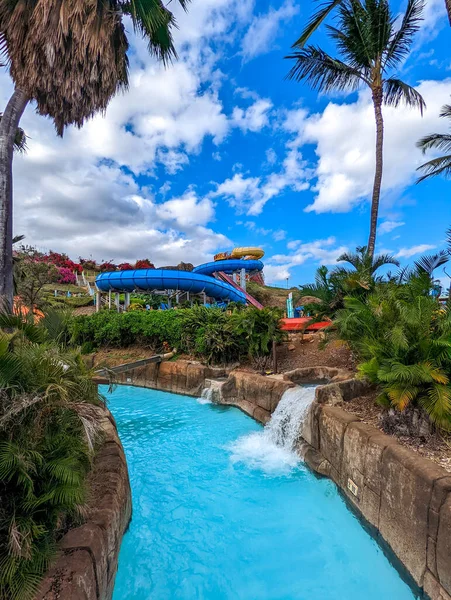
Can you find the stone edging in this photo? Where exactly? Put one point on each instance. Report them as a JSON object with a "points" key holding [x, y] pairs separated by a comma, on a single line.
{"points": [[86, 565]]}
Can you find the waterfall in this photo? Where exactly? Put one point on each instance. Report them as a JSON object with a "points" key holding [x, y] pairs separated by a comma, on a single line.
{"points": [[285, 426], [207, 396], [273, 449]]}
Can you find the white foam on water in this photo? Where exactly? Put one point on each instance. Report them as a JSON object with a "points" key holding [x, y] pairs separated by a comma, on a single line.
{"points": [[273, 449], [206, 396]]}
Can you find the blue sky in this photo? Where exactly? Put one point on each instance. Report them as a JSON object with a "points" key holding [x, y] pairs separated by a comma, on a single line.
{"points": [[219, 150]]}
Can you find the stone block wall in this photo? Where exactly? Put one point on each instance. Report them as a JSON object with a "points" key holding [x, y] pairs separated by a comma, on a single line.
{"points": [[86, 565], [405, 497], [179, 377]]}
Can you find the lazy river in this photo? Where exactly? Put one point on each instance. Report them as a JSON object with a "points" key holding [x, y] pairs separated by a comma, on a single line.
{"points": [[221, 512]]}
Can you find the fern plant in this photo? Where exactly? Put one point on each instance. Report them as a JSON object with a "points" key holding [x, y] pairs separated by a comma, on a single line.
{"points": [[48, 427]]}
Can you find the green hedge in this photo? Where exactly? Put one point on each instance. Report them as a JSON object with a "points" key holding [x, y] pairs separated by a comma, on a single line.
{"points": [[210, 333]]}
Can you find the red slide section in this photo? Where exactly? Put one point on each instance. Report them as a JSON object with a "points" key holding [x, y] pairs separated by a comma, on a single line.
{"points": [[249, 298]]}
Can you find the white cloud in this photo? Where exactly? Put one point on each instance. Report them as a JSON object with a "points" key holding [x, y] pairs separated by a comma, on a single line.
{"points": [[253, 118], [435, 17], [409, 252], [271, 156], [250, 194], [321, 252], [279, 235], [344, 136], [388, 226], [275, 273], [264, 29]]}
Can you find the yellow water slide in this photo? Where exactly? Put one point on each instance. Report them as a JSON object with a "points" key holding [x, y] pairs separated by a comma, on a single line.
{"points": [[249, 253]]}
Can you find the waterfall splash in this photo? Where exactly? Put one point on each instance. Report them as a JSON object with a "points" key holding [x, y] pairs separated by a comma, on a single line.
{"points": [[273, 449], [207, 396]]}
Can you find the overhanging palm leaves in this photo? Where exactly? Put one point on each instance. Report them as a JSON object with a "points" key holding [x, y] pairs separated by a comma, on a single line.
{"points": [[71, 56], [371, 46], [439, 142]]}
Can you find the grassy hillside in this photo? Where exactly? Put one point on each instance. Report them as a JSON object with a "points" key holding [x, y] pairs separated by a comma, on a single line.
{"points": [[271, 296]]}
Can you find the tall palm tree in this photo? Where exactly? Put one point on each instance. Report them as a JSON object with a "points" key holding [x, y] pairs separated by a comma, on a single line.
{"points": [[437, 141], [70, 57], [371, 47]]}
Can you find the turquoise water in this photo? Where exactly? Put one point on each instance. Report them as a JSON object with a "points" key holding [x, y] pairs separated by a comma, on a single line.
{"points": [[213, 520]]}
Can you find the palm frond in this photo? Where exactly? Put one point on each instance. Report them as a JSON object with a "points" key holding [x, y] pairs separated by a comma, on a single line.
{"points": [[436, 141], [401, 41], [435, 167], [323, 72], [315, 21], [397, 92], [428, 263]]}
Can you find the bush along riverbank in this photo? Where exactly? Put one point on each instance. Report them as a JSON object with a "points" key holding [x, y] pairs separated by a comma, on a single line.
{"points": [[212, 334], [48, 434]]}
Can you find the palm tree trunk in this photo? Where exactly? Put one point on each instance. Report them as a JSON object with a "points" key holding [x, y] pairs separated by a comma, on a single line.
{"points": [[377, 101], [8, 128], [448, 9]]}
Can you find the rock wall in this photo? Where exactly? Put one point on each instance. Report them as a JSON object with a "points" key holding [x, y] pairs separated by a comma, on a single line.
{"points": [[86, 565], [256, 395], [405, 497], [180, 377]]}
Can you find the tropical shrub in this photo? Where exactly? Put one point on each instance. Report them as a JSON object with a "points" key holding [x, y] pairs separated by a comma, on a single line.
{"points": [[330, 288], [48, 425], [402, 335], [211, 333], [125, 267]]}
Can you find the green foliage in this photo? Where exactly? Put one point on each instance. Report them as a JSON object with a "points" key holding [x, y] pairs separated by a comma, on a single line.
{"points": [[73, 301], [211, 333], [330, 288], [402, 335], [48, 425]]}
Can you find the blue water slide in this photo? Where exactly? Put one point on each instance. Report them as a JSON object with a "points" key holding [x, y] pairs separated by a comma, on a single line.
{"points": [[145, 280], [228, 266]]}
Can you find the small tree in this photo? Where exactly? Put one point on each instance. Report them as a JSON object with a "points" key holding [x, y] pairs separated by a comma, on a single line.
{"points": [[32, 274]]}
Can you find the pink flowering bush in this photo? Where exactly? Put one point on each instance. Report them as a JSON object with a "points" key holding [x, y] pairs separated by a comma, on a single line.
{"points": [[66, 276]]}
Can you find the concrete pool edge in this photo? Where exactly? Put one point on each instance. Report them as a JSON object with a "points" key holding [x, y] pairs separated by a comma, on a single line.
{"points": [[86, 565], [405, 498]]}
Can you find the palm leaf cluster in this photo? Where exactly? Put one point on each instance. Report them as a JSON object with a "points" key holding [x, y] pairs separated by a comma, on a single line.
{"points": [[45, 40], [48, 428], [402, 335], [330, 288], [371, 44], [441, 165]]}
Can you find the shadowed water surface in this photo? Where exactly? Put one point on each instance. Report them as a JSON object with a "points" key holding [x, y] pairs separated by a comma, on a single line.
{"points": [[221, 513]]}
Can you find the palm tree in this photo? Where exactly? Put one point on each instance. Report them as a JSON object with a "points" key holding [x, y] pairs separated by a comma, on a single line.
{"points": [[325, 10], [70, 57], [439, 141], [365, 267], [372, 47]]}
